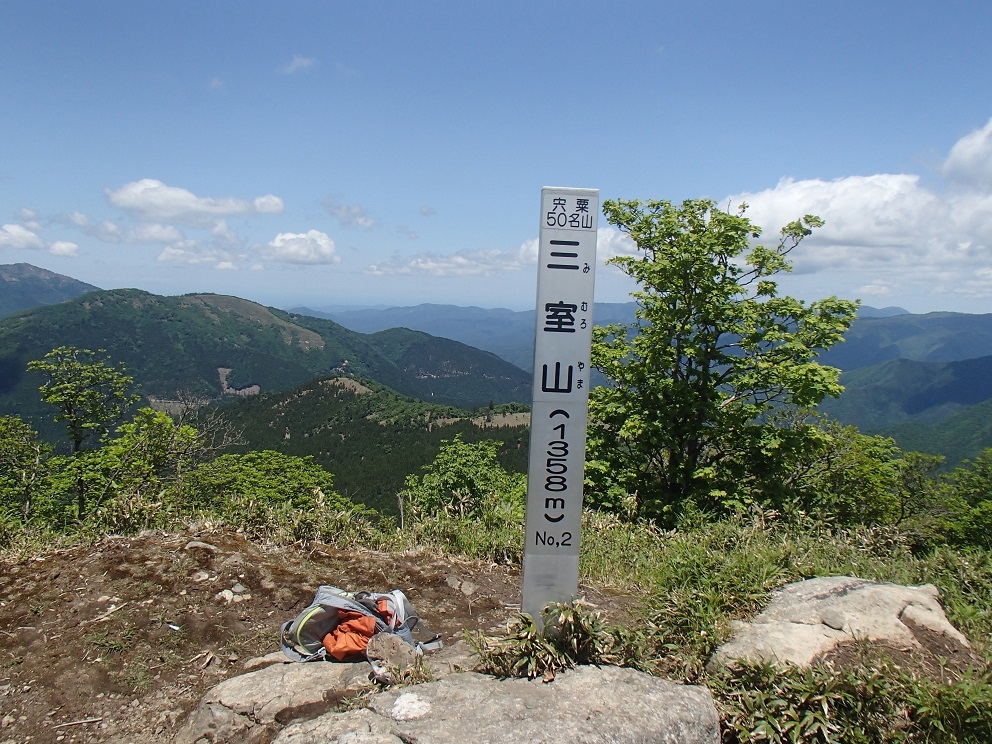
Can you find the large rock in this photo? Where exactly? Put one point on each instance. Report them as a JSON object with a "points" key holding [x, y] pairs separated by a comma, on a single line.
{"points": [[584, 705], [252, 707], [808, 619]]}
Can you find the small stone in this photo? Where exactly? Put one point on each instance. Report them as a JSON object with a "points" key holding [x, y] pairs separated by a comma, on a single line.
{"points": [[199, 576], [239, 588], [226, 596], [7, 720], [200, 545], [833, 619]]}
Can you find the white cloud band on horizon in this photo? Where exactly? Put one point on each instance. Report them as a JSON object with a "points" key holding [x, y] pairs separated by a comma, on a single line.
{"points": [[611, 242]]}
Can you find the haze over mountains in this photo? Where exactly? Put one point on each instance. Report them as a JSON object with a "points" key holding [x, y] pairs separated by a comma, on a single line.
{"points": [[923, 378]]}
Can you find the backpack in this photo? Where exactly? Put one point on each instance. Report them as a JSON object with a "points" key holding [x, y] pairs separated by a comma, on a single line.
{"points": [[303, 638]]}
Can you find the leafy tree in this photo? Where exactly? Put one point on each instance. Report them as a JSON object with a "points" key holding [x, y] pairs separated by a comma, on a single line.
{"points": [[465, 480], [714, 352], [850, 478], [21, 457], [143, 464], [969, 501], [89, 392]]}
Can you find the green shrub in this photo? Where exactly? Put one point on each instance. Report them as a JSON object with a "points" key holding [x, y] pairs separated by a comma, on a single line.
{"points": [[465, 480]]}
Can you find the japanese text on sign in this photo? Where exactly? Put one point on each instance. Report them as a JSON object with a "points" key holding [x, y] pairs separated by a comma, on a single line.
{"points": [[567, 259]]}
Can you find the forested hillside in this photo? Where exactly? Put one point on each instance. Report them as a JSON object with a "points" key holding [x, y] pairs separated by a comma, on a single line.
{"points": [[370, 437], [209, 346]]}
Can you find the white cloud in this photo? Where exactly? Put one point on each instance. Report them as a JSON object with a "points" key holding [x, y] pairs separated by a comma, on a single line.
{"points": [[970, 160], [153, 201], [152, 232], [349, 215], [921, 240], [611, 242], [463, 263], [192, 253], [404, 230], [63, 248], [226, 266], [298, 63], [427, 211], [268, 204], [312, 247], [224, 233], [875, 288], [15, 236]]}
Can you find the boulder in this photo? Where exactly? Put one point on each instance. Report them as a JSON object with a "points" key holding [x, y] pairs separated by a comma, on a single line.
{"points": [[252, 707], [807, 619], [583, 705]]}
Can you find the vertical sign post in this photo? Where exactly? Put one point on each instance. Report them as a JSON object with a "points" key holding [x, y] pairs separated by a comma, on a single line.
{"points": [[566, 271]]}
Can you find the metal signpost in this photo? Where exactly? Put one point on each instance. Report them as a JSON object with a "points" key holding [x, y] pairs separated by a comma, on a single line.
{"points": [[567, 268]]}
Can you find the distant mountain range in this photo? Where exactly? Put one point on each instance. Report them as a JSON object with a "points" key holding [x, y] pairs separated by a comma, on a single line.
{"points": [[23, 286], [877, 398], [506, 333], [215, 345], [923, 378], [876, 336]]}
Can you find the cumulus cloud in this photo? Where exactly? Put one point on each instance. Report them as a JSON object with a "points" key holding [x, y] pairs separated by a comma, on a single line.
{"points": [[151, 200], [312, 247], [891, 225], [16, 236], [63, 248], [970, 161], [268, 204], [298, 63], [610, 243], [349, 215], [427, 211]]}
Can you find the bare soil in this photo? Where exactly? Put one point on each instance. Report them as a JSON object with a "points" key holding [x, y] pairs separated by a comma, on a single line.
{"points": [[117, 641]]}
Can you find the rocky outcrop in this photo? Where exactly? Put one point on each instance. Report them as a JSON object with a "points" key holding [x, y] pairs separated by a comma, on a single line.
{"points": [[582, 705], [253, 707], [291, 703], [808, 619]]}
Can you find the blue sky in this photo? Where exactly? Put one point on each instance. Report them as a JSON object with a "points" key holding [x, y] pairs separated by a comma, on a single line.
{"points": [[305, 153]]}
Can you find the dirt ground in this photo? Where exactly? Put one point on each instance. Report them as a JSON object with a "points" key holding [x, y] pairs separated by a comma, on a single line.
{"points": [[117, 641]]}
